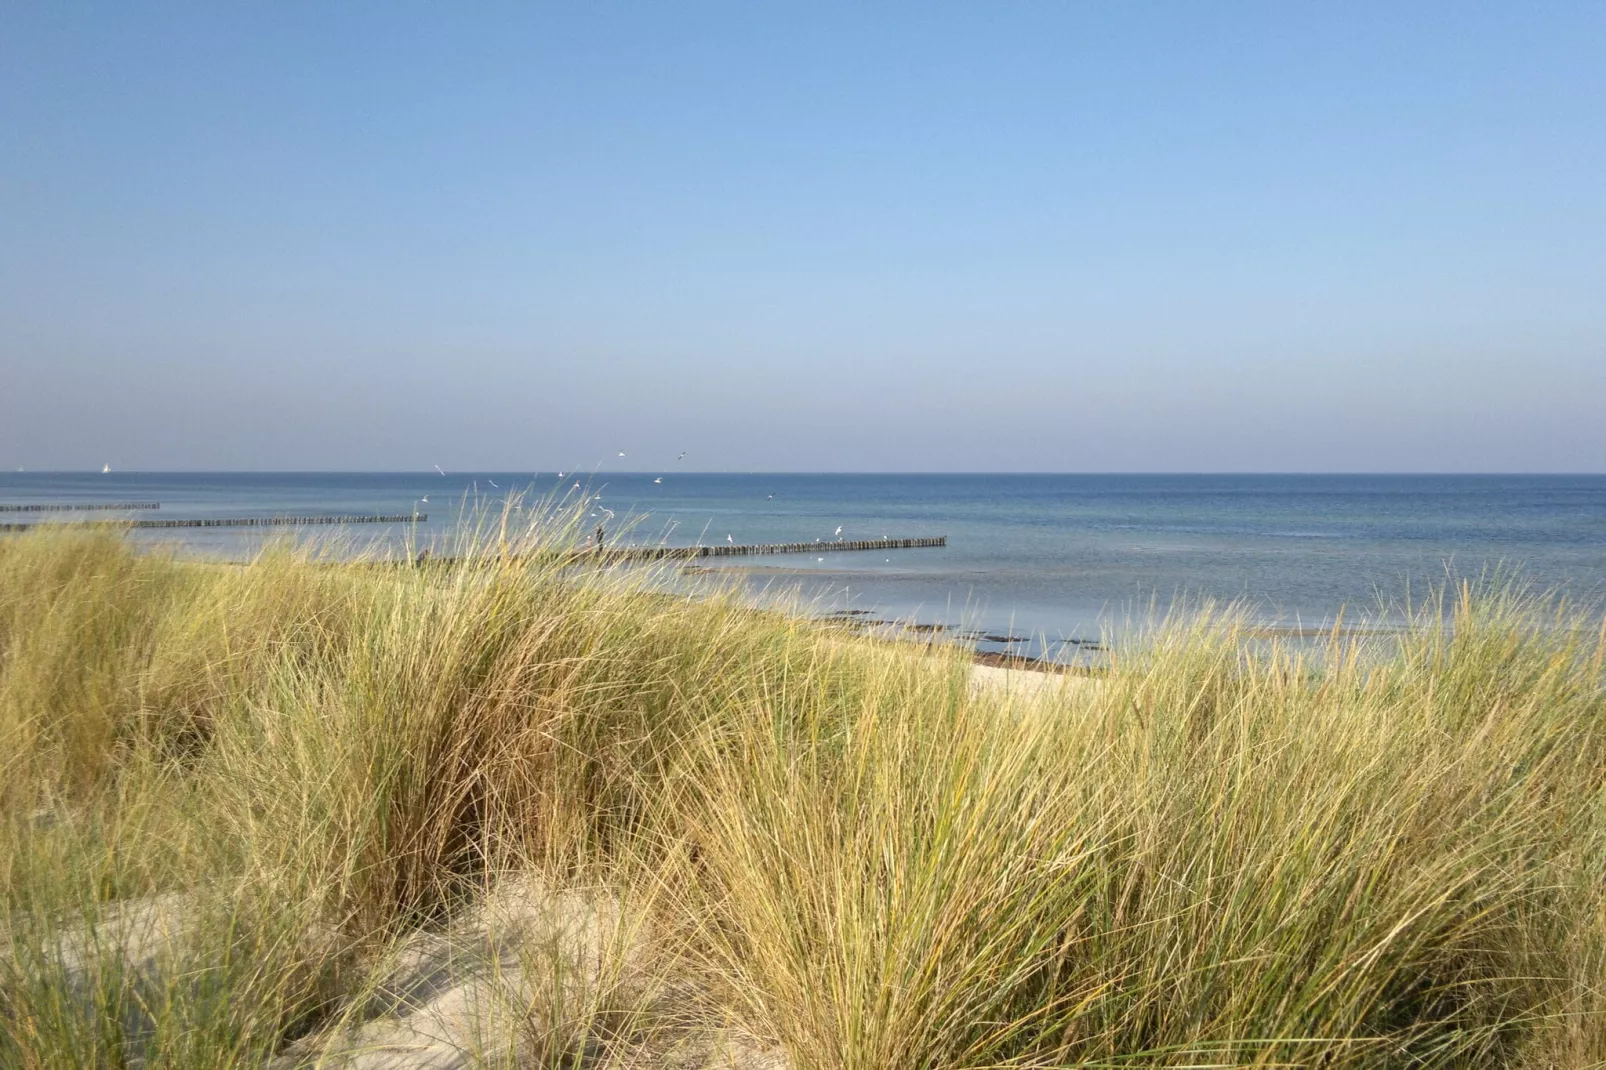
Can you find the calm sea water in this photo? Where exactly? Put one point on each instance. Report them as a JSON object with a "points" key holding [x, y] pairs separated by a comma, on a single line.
{"points": [[1060, 555]]}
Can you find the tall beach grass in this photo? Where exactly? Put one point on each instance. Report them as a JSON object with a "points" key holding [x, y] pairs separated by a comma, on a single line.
{"points": [[239, 802]]}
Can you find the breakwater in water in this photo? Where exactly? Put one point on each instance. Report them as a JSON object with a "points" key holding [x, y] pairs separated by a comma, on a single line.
{"points": [[78, 507], [242, 522], [608, 555], [654, 553]]}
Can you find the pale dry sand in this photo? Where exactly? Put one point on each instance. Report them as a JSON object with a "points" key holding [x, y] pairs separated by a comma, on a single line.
{"points": [[1031, 684], [522, 979], [510, 984]]}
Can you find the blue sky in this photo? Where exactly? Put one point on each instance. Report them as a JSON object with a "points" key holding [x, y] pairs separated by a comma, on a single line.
{"points": [[1071, 237]]}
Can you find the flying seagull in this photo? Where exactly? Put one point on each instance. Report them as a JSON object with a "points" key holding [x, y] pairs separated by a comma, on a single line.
{"points": [[682, 456], [839, 529], [660, 479], [439, 469], [425, 499], [492, 482], [621, 453], [730, 539]]}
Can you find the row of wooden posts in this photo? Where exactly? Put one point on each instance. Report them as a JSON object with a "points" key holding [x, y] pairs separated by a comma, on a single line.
{"points": [[593, 553], [653, 553], [244, 522], [78, 507]]}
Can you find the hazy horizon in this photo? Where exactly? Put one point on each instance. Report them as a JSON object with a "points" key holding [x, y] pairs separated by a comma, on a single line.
{"points": [[683, 471], [1168, 239]]}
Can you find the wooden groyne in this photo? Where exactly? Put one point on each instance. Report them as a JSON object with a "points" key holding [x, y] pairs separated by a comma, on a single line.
{"points": [[78, 507], [243, 522], [613, 555], [658, 553]]}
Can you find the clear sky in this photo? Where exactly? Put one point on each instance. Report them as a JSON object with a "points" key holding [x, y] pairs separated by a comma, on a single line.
{"points": [[1065, 236]]}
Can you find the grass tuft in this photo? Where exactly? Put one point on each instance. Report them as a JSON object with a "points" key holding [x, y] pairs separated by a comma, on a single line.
{"points": [[605, 824]]}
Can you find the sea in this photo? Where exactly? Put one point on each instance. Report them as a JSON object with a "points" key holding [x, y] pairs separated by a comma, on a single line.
{"points": [[1047, 562]]}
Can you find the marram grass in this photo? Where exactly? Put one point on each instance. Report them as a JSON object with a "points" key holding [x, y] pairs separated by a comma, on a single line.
{"points": [[235, 797]]}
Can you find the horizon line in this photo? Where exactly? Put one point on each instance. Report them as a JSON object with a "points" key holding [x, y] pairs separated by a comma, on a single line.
{"points": [[801, 472]]}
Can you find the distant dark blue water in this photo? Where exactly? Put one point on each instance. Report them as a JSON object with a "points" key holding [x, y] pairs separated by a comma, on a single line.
{"points": [[1051, 554]]}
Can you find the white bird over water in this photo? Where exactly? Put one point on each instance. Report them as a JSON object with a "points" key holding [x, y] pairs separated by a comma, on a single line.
{"points": [[660, 479], [425, 499], [492, 482], [105, 469], [439, 469], [621, 453], [839, 529], [730, 539]]}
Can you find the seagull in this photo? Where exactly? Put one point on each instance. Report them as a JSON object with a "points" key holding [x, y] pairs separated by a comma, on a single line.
{"points": [[819, 559], [730, 539], [771, 498], [439, 469], [492, 482], [660, 479], [838, 529], [560, 475], [621, 453], [577, 485], [682, 456], [425, 499]]}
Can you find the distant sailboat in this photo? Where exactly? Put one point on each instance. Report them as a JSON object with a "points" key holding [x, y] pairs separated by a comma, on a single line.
{"points": [[105, 469]]}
